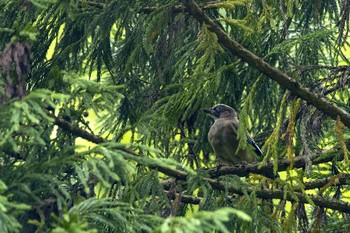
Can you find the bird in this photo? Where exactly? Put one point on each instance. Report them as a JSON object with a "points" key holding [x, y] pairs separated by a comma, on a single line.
{"points": [[223, 137]]}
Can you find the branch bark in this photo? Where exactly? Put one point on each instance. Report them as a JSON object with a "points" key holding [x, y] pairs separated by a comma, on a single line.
{"points": [[283, 79]]}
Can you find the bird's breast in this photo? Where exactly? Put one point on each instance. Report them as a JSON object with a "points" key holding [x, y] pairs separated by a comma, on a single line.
{"points": [[223, 138], [221, 130]]}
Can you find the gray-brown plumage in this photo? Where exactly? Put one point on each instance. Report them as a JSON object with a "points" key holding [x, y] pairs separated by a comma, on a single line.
{"points": [[223, 137]]}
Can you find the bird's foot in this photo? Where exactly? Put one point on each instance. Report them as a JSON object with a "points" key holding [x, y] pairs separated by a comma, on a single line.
{"points": [[213, 171], [243, 163]]}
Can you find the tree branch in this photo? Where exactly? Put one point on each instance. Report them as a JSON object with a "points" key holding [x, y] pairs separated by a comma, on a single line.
{"points": [[279, 194], [271, 194], [283, 79], [339, 179], [184, 198], [240, 170], [267, 169], [332, 204], [74, 129], [266, 194]]}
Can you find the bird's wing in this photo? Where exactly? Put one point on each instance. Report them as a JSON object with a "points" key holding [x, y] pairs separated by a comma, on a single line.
{"points": [[250, 140], [256, 147]]}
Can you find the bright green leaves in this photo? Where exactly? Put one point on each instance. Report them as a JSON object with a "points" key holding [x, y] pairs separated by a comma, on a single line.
{"points": [[202, 221], [198, 81], [9, 211], [339, 128], [244, 117], [291, 44], [208, 47], [271, 143], [23, 116], [102, 214]]}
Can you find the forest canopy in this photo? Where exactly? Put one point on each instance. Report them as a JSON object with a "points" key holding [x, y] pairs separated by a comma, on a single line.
{"points": [[102, 126]]}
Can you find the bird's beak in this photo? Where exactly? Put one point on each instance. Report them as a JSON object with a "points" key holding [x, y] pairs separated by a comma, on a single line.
{"points": [[208, 111], [211, 112]]}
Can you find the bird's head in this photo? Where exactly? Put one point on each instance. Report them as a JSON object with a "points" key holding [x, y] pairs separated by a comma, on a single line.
{"points": [[221, 111]]}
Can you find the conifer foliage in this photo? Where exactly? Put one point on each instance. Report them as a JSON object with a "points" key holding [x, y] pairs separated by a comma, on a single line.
{"points": [[102, 128]]}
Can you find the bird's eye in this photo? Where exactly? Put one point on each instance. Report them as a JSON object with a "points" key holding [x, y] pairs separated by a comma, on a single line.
{"points": [[218, 108]]}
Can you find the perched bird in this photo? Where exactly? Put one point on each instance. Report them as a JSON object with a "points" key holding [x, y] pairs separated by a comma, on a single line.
{"points": [[223, 137]]}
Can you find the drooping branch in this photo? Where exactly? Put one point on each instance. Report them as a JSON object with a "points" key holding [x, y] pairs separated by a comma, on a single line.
{"points": [[275, 74]]}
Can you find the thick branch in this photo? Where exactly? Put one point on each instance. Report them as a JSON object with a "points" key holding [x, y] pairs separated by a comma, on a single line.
{"points": [[283, 79], [283, 164]]}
